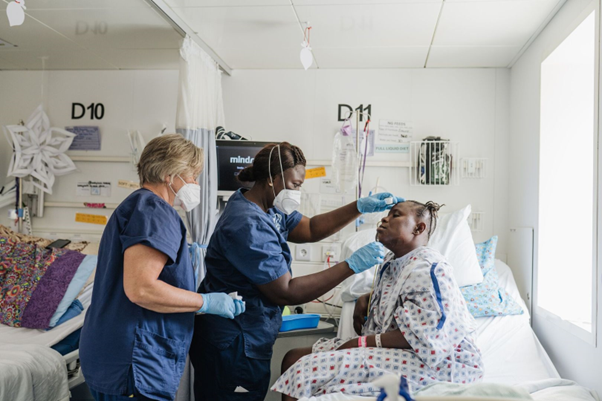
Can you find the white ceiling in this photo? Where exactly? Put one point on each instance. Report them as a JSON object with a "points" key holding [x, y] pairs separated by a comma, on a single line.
{"points": [[89, 34], [366, 33], [130, 34]]}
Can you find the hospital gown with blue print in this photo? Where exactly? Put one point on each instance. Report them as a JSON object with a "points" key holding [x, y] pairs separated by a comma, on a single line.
{"points": [[418, 295]]}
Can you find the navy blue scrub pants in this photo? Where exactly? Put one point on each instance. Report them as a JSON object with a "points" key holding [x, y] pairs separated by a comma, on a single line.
{"points": [[219, 372]]}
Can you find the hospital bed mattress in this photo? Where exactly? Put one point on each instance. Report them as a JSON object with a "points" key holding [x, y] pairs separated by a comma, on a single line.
{"points": [[512, 354]]}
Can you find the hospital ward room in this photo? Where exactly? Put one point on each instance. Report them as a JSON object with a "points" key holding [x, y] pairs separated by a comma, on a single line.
{"points": [[315, 200]]}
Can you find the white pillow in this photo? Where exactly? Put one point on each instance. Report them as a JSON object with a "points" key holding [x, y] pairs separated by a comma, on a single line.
{"points": [[453, 239], [358, 284]]}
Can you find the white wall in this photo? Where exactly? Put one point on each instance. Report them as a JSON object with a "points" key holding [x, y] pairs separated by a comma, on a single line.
{"points": [[574, 358], [465, 105], [142, 100]]}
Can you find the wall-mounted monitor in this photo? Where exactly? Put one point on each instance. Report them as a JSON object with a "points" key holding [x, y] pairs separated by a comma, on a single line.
{"points": [[232, 157]]}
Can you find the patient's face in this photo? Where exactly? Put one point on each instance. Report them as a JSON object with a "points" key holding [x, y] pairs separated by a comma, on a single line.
{"points": [[396, 229]]}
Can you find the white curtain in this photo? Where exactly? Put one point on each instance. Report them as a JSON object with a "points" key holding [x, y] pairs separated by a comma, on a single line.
{"points": [[200, 110]]}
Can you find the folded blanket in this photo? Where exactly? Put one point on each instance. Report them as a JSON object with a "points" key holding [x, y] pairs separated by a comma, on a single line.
{"points": [[33, 281], [73, 310]]}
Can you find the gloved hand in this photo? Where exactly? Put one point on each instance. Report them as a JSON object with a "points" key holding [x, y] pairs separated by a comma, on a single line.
{"points": [[376, 203], [217, 303], [366, 257]]}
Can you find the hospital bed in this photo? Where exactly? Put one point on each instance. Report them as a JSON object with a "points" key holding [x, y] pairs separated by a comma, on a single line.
{"points": [[63, 338], [512, 354], [35, 344]]}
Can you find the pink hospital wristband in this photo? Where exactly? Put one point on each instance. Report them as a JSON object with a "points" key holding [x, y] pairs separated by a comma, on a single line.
{"points": [[362, 342]]}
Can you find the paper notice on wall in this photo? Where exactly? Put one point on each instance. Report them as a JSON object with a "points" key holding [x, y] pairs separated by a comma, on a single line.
{"points": [[86, 138], [327, 186], [90, 218], [393, 148], [128, 184], [394, 131], [93, 188], [315, 172]]}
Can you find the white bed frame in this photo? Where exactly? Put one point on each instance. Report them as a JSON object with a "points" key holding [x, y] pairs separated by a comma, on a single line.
{"points": [[74, 370]]}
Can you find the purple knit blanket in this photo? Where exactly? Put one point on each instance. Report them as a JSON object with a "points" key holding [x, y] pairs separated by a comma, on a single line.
{"points": [[33, 281]]}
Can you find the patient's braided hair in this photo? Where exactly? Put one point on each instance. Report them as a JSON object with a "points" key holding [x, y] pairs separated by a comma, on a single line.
{"points": [[431, 217]]}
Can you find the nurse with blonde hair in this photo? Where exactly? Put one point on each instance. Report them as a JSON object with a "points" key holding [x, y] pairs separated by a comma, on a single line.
{"points": [[138, 329]]}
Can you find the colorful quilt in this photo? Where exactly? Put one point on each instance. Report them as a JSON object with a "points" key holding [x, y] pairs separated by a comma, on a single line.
{"points": [[33, 281]]}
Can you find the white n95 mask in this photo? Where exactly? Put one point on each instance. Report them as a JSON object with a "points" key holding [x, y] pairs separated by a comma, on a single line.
{"points": [[188, 197], [287, 200]]}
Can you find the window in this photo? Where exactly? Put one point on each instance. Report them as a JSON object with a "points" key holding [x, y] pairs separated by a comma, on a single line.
{"points": [[567, 179]]}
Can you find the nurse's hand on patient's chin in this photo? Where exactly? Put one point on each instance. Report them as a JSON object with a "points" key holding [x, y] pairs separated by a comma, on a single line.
{"points": [[378, 202], [218, 303], [366, 257]]}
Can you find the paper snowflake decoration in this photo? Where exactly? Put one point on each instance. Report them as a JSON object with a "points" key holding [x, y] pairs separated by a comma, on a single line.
{"points": [[39, 150]]}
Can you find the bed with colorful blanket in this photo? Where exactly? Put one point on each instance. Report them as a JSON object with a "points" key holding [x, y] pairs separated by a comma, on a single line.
{"points": [[44, 293]]}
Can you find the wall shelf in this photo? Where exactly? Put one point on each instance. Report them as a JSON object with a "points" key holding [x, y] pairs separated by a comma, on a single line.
{"points": [[109, 159], [369, 163], [81, 205]]}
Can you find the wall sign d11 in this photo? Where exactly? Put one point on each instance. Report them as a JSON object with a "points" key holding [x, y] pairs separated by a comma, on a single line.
{"points": [[345, 110], [78, 110]]}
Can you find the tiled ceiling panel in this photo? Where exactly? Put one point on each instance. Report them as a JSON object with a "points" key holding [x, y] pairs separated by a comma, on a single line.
{"points": [[266, 34]]}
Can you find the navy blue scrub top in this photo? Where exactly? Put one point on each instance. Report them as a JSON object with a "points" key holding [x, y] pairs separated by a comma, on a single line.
{"points": [[120, 338], [248, 248]]}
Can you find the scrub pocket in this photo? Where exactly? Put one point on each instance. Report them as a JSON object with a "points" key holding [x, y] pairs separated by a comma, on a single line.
{"points": [[157, 363]]}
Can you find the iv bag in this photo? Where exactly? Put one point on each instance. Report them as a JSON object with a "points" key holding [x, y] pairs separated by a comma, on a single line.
{"points": [[344, 163]]}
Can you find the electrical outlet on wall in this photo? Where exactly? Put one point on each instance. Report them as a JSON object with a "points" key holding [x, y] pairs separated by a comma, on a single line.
{"points": [[330, 250], [303, 252]]}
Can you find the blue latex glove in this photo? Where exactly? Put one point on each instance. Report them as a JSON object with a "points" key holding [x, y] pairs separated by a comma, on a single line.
{"points": [[218, 303], [366, 257], [376, 203], [239, 306]]}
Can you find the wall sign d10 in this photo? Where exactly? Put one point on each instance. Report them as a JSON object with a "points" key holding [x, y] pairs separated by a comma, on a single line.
{"points": [[78, 110]]}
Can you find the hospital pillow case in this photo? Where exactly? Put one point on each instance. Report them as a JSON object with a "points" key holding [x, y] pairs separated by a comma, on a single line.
{"points": [[453, 238], [488, 299]]}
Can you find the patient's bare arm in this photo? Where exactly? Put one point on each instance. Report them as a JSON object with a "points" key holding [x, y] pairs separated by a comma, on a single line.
{"points": [[360, 313], [392, 339]]}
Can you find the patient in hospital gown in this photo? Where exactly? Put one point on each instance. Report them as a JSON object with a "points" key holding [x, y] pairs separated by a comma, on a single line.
{"points": [[427, 333]]}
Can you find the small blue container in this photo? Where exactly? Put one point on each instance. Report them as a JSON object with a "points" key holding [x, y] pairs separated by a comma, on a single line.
{"points": [[298, 322]]}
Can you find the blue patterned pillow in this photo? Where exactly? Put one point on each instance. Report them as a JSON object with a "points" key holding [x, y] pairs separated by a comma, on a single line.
{"points": [[488, 298]]}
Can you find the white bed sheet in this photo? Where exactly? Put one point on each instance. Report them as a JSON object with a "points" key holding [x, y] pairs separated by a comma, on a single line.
{"points": [[20, 335], [512, 354]]}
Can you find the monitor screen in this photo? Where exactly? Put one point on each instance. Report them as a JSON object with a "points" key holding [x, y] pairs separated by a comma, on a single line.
{"points": [[232, 157]]}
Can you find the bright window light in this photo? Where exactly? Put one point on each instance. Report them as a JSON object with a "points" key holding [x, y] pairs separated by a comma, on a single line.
{"points": [[566, 178]]}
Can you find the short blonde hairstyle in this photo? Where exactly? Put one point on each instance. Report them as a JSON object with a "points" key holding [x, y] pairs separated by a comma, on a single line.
{"points": [[169, 154]]}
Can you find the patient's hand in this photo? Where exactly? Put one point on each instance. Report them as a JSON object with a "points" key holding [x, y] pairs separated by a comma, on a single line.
{"points": [[360, 313]]}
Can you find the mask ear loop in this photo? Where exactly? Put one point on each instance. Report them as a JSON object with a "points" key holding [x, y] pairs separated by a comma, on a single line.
{"points": [[170, 185], [281, 169], [270, 170]]}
